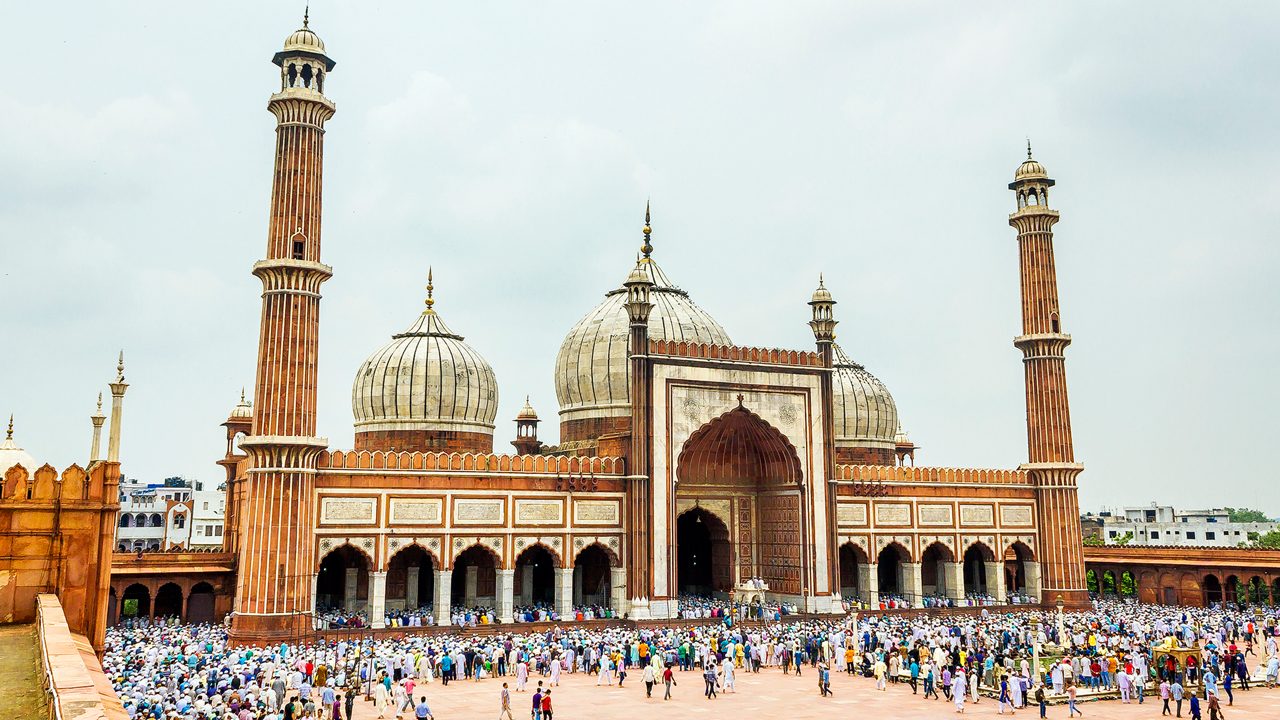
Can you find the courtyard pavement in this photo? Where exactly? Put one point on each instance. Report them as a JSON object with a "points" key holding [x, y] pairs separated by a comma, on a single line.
{"points": [[770, 694]]}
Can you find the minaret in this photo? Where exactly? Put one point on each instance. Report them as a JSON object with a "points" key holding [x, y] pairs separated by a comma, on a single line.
{"points": [[1052, 466], [276, 566], [639, 305], [117, 411], [823, 324], [97, 419]]}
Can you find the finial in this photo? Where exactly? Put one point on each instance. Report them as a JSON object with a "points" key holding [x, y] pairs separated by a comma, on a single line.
{"points": [[647, 248], [430, 288], [99, 402], [241, 394], [1028, 148], [740, 399], [120, 368], [10, 435], [306, 17], [821, 281]]}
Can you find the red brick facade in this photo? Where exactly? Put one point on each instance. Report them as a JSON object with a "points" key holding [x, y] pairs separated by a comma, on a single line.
{"points": [[424, 441], [865, 456]]}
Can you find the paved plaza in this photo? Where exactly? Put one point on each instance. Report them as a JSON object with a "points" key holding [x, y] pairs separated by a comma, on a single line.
{"points": [[767, 695]]}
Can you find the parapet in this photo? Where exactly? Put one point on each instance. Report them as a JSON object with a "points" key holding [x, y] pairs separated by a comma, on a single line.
{"points": [[735, 353], [468, 462], [936, 475]]}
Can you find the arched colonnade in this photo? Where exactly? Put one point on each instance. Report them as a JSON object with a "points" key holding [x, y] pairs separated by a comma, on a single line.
{"points": [[413, 580], [937, 572]]}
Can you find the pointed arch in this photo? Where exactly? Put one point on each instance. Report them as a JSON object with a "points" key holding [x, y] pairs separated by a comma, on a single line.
{"points": [[539, 543], [738, 446]]}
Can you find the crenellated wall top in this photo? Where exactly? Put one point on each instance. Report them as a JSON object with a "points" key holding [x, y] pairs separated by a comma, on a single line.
{"points": [[735, 353], [468, 462], [46, 484], [938, 475]]}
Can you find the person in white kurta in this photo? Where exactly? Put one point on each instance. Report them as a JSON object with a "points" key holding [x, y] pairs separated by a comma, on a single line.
{"points": [[727, 665], [958, 689], [555, 672], [522, 675], [381, 699]]}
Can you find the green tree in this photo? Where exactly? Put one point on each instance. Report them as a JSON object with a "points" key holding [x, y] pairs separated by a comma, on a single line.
{"points": [[1127, 585], [1124, 539], [1270, 541], [1247, 515]]}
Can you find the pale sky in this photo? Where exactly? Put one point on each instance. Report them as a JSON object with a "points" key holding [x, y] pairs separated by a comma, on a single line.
{"points": [[513, 146]]}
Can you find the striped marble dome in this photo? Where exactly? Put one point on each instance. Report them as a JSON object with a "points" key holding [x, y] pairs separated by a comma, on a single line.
{"points": [[425, 379], [864, 412], [592, 369]]}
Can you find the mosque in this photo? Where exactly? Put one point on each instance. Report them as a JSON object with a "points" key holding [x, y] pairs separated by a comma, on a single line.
{"points": [[687, 464]]}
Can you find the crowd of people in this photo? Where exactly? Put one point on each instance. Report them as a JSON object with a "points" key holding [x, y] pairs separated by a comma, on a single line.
{"points": [[704, 607], [164, 671]]}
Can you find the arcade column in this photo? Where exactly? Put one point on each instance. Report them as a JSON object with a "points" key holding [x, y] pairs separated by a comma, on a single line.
{"points": [[377, 599], [444, 591], [505, 587]]}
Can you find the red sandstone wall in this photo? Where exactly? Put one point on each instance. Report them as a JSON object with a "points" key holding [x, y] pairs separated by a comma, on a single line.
{"points": [[424, 441], [865, 456], [56, 535]]}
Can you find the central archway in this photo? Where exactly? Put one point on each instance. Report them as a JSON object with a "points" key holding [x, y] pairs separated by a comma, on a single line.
{"points": [[746, 464], [702, 553]]}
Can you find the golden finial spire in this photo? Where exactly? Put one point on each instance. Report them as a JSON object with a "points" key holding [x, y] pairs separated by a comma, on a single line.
{"points": [[647, 248], [1028, 148], [99, 402], [306, 17], [120, 368], [431, 301], [821, 281], [10, 435], [241, 394]]}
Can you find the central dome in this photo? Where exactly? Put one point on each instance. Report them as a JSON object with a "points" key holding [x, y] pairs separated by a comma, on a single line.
{"points": [[592, 371], [425, 390]]}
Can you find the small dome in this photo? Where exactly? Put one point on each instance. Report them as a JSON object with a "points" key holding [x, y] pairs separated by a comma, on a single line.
{"points": [[822, 294], [865, 413], [11, 454], [243, 409], [425, 379], [902, 437], [592, 367], [1030, 170], [527, 412], [304, 40]]}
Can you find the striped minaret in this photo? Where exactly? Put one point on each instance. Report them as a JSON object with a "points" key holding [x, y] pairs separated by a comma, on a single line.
{"points": [[276, 552], [1052, 466]]}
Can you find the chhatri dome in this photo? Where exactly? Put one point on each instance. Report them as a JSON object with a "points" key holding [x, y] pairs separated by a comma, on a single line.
{"points": [[11, 454], [243, 409], [1030, 169], [425, 390], [592, 370]]}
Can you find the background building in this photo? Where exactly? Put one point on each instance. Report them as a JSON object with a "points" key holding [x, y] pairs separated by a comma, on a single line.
{"points": [[169, 517], [1163, 525]]}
